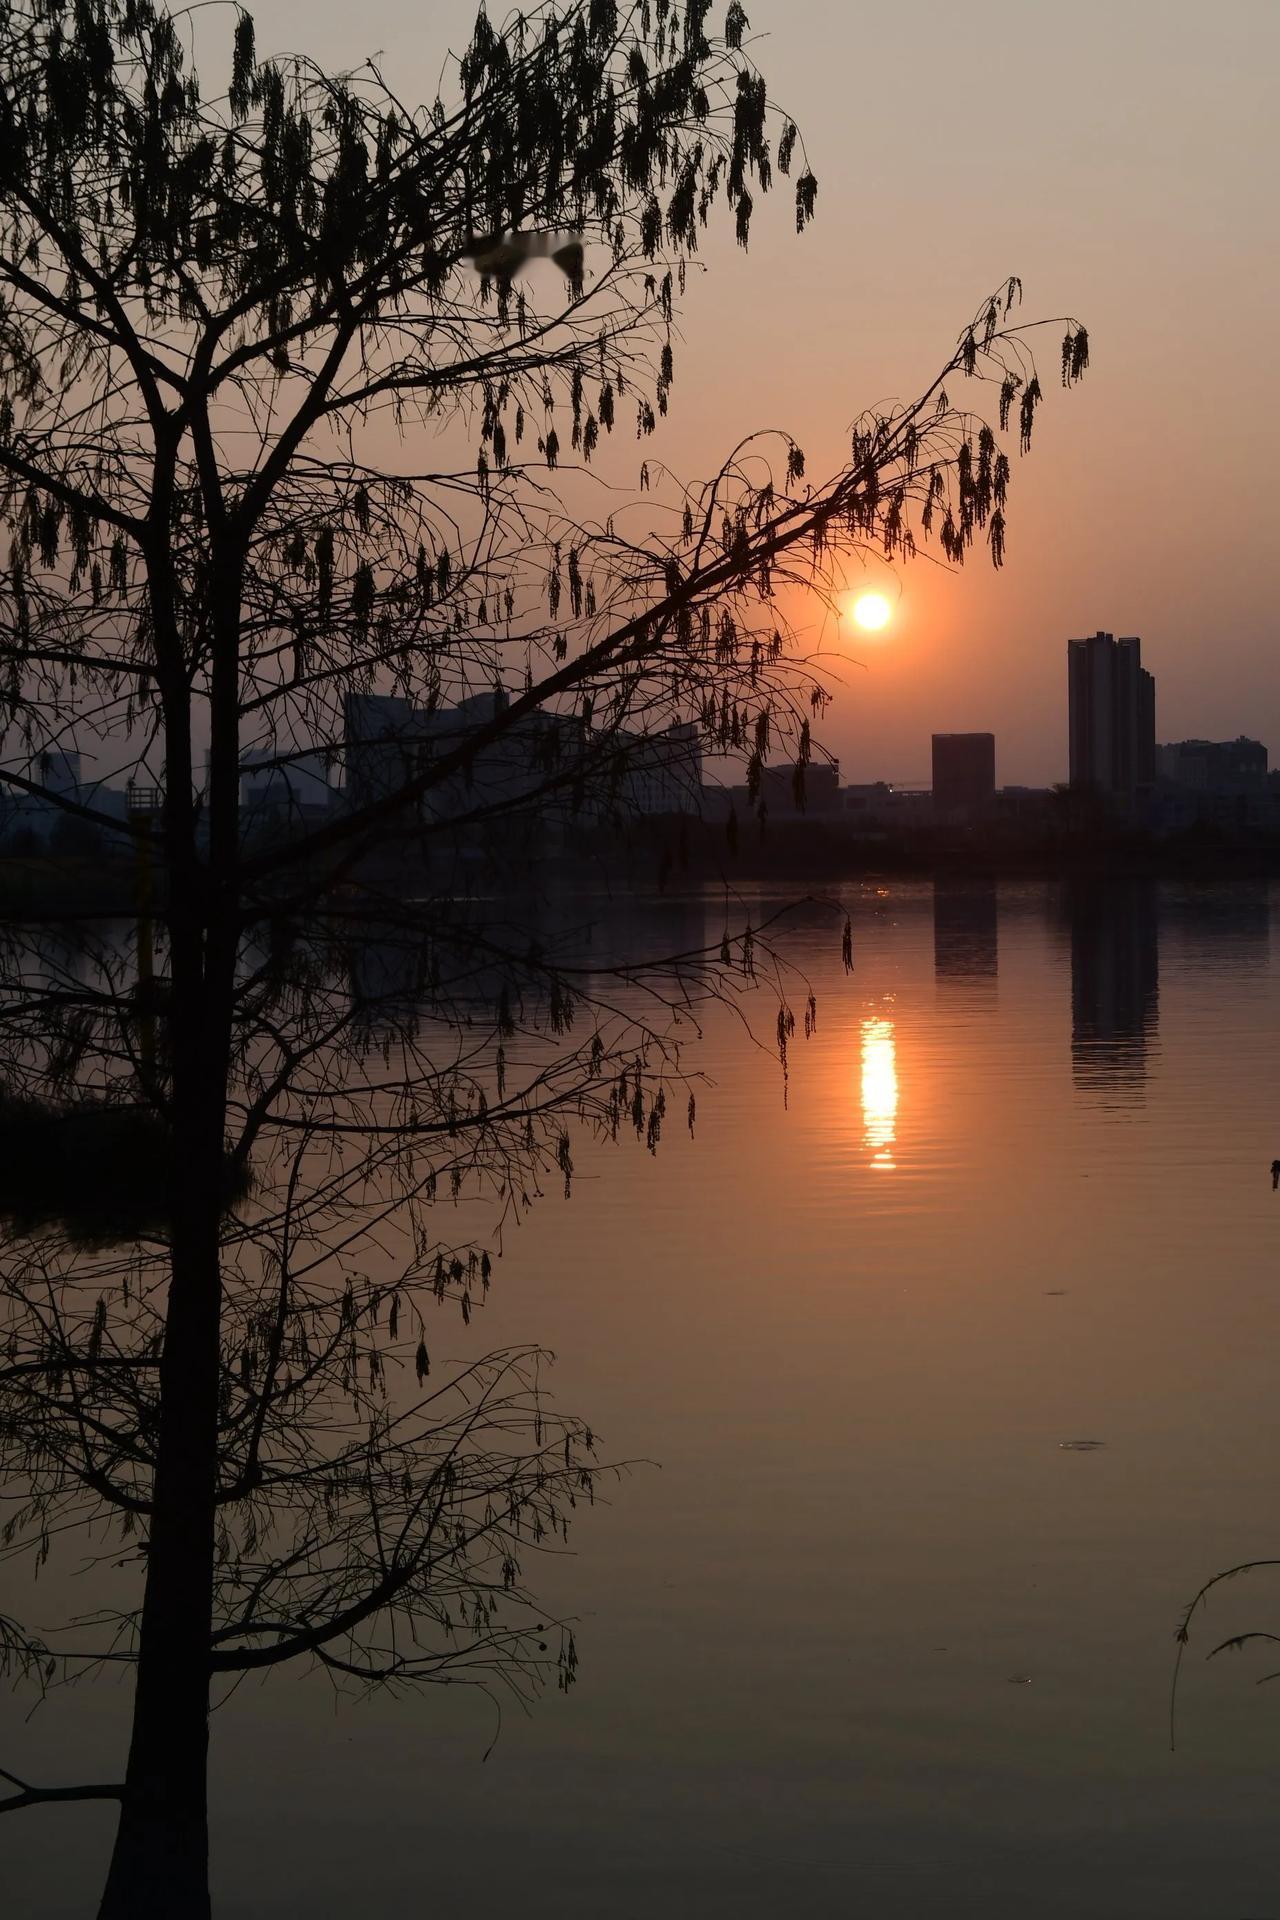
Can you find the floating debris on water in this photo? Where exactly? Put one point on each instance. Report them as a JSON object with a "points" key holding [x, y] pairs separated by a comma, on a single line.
{"points": [[1080, 1446], [1019, 1679]]}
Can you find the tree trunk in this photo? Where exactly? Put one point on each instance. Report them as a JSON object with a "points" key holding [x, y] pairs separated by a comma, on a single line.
{"points": [[160, 1865]]}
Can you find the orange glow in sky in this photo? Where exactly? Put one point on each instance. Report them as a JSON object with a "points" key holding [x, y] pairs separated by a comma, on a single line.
{"points": [[1150, 205]]}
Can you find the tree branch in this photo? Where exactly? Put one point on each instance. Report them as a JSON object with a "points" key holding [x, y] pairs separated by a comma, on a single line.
{"points": [[29, 1796]]}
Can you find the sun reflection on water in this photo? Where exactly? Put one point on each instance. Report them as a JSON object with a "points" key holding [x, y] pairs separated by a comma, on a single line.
{"points": [[879, 1091]]}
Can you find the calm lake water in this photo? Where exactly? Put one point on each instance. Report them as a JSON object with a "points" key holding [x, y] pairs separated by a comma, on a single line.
{"points": [[867, 1637]]}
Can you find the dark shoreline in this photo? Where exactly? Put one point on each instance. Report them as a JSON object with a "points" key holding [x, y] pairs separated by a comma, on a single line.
{"points": [[671, 853], [814, 851]]}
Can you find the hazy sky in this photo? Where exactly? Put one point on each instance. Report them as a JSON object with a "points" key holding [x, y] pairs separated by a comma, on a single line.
{"points": [[1122, 157]]}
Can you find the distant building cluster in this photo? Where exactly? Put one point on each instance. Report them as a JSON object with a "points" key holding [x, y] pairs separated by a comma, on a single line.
{"points": [[1214, 766], [546, 768], [38, 821], [389, 744], [1119, 775]]}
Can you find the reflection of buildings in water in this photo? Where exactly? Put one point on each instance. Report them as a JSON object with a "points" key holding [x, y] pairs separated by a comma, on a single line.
{"points": [[879, 1090], [393, 970], [1114, 985], [476, 950], [639, 927], [966, 951]]}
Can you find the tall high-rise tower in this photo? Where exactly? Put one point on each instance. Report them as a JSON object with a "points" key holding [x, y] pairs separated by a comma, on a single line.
{"points": [[1112, 711]]}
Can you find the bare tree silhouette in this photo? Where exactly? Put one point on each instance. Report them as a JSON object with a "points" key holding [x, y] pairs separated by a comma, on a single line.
{"points": [[232, 330]]}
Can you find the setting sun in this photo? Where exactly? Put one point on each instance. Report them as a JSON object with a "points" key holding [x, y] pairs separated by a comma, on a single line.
{"points": [[871, 611]]}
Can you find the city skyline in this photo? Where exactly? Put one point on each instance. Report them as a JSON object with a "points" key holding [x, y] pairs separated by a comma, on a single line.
{"points": [[1113, 745]]}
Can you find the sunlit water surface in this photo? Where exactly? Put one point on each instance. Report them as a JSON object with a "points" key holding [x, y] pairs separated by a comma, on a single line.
{"points": [[866, 1637]]}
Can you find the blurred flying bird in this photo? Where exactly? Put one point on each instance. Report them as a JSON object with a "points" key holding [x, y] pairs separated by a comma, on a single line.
{"points": [[503, 254]]}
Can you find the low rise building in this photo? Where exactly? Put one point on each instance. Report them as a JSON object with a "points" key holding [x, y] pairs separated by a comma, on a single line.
{"points": [[1214, 766], [964, 774], [541, 764], [790, 793], [280, 789]]}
